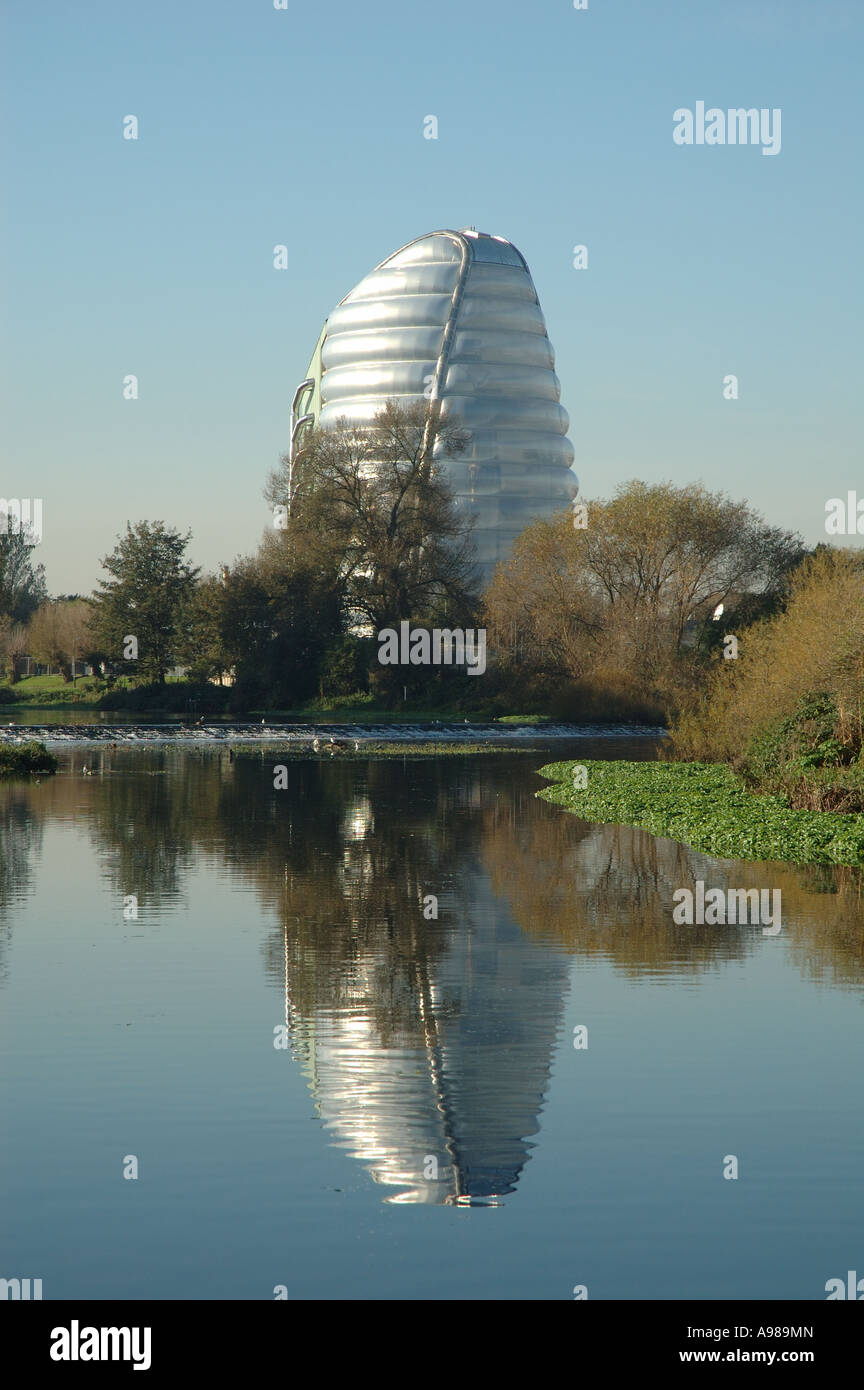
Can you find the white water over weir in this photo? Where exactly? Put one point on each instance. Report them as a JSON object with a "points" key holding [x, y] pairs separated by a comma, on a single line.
{"points": [[304, 735]]}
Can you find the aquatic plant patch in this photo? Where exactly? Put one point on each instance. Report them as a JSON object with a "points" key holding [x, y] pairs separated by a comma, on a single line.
{"points": [[706, 806]]}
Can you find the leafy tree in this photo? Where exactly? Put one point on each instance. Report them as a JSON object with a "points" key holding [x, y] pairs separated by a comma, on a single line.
{"points": [[148, 597], [279, 614], [22, 583], [345, 666], [206, 651]]}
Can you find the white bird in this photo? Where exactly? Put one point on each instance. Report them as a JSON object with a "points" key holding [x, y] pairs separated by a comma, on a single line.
{"points": [[316, 744], [85, 769], [356, 746], [718, 612]]}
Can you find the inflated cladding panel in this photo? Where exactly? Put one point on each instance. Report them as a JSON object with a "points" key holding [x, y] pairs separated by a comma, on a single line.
{"points": [[460, 309]]}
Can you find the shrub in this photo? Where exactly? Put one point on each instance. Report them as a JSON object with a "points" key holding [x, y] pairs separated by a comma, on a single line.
{"points": [[25, 758], [808, 758], [608, 697], [175, 697], [815, 644]]}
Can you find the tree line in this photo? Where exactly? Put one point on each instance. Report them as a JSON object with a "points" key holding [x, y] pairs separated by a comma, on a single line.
{"points": [[608, 610]]}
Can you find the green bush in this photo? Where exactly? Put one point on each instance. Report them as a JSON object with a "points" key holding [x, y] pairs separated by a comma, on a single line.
{"points": [[358, 699], [24, 758], [810, 758], [174, 697], [345, 668]]}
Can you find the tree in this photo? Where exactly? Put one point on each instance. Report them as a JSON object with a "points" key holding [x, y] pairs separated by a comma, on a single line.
{"points": [[206, 652], [46, 638], [14, 647], [60, 634], [78, 639], [147, 598], [624, 599], [277, 616], [22, 583], [373, 508], [814, 645], [672, 554]]}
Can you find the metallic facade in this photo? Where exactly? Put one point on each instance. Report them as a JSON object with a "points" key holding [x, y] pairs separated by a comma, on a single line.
{"points": [[454, 317]]}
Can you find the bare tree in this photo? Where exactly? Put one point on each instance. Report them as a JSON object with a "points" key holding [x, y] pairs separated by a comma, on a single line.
{"points": [[14, 648], [625, 596], [47, 644], [373, 505]]}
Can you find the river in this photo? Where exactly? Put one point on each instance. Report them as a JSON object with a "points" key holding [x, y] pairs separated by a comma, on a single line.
{"points": [[400, 1029]]}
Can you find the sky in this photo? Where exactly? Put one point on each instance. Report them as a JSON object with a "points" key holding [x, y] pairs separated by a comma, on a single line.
{"points": [[304, 127]]}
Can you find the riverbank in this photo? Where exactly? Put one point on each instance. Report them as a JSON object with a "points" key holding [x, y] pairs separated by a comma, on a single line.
{"points": [[88, 697], [705, 806]]}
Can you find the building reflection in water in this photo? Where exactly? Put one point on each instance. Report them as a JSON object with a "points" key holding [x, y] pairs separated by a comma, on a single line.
{"points": [[432, 1074]]}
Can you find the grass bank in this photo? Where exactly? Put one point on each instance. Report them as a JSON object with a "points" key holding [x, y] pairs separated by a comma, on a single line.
{"points": [[191, 699], [52, 691], [706, 806], [26, 758]]}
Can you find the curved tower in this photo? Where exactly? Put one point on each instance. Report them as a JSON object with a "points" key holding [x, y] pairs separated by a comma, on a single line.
{"points": [[454, 317]]}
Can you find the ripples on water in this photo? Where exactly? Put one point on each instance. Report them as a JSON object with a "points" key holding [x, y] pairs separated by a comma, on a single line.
{"points": [[432, 1054]]}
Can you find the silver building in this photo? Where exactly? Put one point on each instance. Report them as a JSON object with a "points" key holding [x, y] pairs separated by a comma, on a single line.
{"points": [[454, 316]]}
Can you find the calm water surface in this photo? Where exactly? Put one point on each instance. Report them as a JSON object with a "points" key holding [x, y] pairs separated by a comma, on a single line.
{"points": [[429, 1130]]}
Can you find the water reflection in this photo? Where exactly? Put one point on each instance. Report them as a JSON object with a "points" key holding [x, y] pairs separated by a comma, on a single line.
{"points": [[20, 843], [427, 1042]]}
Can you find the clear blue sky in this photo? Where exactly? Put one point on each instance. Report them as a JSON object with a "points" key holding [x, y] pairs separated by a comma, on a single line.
{"points": [[305, 127]]}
